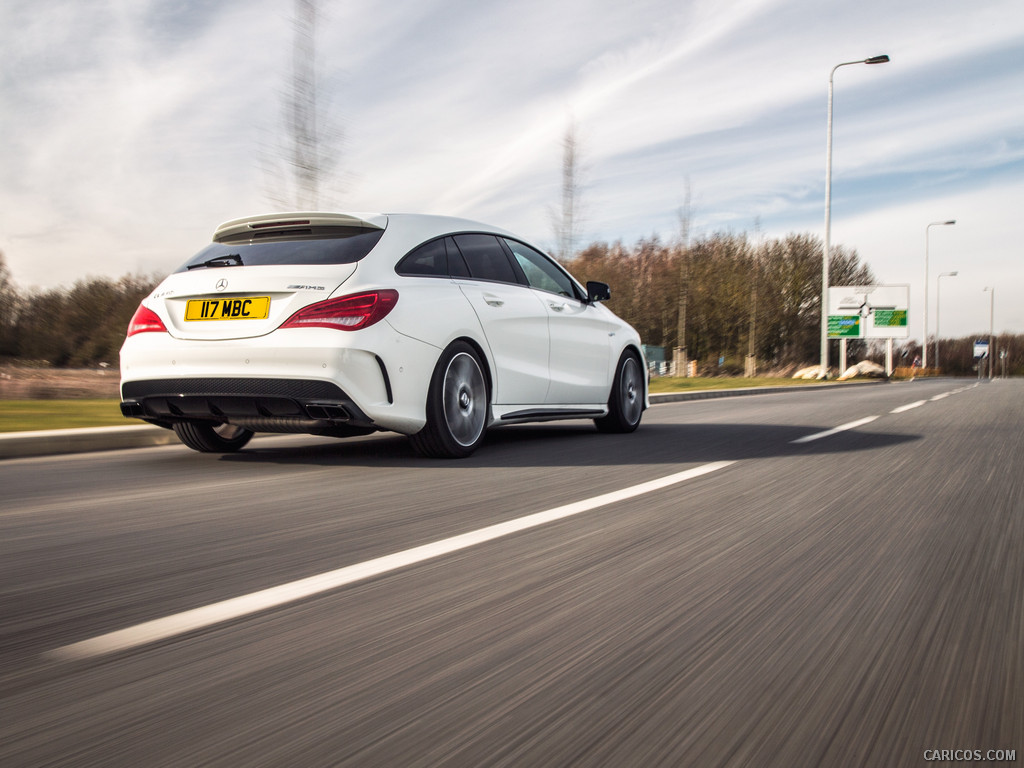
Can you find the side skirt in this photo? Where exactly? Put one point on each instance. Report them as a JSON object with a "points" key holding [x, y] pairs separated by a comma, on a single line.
{"points": [[550, 414]]}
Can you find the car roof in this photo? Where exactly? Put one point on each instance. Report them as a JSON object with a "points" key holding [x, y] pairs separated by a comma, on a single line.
{"points": [[407, 230], [401, 229]]}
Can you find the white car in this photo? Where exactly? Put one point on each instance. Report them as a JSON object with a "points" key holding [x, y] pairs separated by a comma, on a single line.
{"points": [[343, 324]]}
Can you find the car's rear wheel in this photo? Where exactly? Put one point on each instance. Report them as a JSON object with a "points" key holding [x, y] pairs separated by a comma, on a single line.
{"points": [[626, 402], [212, 438], [457, 405]]}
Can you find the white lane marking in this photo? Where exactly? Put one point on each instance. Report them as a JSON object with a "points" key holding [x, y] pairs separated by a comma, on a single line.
{"points": [[941, 396], [836, 430], [908, 406], [198, 618]]}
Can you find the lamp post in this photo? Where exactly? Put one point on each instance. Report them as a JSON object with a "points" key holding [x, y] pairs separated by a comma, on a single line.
{"points": [[991, 328], [938, 286], [924, 345], [828, 210]]}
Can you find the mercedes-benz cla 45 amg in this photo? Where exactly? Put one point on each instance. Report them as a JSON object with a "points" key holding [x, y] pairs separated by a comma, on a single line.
{"points": [[344, 324]]}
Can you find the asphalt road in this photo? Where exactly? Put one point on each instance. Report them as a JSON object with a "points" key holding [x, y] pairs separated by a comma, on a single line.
{"points": [[704, 592]]}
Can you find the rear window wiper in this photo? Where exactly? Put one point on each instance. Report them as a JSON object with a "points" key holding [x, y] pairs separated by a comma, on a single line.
{"points": [[227, 260]]}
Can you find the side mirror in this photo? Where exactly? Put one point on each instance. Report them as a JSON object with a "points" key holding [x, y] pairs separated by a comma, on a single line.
{"points": [[597, 291]]}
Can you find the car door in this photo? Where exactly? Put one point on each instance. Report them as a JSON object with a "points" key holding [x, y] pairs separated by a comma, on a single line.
{"points": [[514, 319], [581, 334]]}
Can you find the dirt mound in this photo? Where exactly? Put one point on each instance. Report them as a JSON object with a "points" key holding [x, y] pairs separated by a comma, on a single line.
{"points": [[42, 383]]}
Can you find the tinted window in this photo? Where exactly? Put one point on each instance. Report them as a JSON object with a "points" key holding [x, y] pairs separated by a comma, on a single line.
{"points": [[456, 264], [540, 271], [345, 245], [486, 258], [429, 259]]}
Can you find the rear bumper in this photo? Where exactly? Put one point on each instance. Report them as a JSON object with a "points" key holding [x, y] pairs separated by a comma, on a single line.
{"points": [[267, 405], [304, 380]]}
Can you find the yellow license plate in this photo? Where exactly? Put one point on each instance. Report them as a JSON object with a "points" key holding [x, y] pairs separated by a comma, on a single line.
{"points": [[229, 308]]}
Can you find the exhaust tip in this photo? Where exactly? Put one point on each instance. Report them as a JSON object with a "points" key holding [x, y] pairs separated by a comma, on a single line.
{"points": [[327, 412], [132, 409]]}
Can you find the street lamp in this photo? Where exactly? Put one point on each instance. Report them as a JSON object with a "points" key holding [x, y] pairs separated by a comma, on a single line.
{"points": [[828, 210], [991, 328], [924, 344], [938, 285]]}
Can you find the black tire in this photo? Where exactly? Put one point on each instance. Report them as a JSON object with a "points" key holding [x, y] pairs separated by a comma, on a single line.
{"points": [[626, 402], [458, 405], [212, 438]]}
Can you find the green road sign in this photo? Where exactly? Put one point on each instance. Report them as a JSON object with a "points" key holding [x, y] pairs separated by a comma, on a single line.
{"points": [[844, 326], [890, 318]]}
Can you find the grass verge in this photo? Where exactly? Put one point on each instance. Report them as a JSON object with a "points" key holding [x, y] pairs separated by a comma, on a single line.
{"points": [[663, 384], [23, 415]]}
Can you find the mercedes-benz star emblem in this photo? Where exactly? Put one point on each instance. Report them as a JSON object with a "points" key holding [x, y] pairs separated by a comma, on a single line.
{"points": [[221, 284]]}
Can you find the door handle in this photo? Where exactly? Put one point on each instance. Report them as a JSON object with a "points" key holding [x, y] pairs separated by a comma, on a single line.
{"points": [[557, 307], [493, 301]]}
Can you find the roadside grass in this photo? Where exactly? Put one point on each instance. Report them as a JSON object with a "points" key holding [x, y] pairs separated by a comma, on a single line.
{"points": [[663, 384], [23, 415]]}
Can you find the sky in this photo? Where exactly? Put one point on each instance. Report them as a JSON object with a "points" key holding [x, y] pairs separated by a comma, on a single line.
{"points": [[129, 129]]}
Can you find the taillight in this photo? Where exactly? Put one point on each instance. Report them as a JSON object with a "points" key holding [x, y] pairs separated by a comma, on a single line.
{"points": [[145, 320], [348, 313]]}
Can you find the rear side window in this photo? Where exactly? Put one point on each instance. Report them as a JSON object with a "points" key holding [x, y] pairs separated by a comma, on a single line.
{"points": [[456, 264], [438, 258], [344, 245], [486, 258], [430, 259]]}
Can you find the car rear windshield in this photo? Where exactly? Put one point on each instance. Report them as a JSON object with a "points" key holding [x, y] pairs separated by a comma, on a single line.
{"points": [[344, 245]]}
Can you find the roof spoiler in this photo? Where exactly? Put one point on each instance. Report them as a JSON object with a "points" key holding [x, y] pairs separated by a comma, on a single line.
{"points": [[269, 224]]}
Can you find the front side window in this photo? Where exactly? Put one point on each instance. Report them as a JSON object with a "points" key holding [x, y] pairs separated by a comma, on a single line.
{"points": [[541, 272]]}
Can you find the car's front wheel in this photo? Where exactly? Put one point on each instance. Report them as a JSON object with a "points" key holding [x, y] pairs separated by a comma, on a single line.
{"points": [[626, 402], [212, 438], [457, 405]]}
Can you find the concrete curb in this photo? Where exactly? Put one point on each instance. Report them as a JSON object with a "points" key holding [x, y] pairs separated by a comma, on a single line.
{"points": [[52, 442]]}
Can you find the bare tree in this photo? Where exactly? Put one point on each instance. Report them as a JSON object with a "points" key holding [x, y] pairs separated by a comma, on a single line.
{"points": [[9, 301]]}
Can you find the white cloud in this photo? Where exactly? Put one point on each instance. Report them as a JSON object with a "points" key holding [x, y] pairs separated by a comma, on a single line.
{"points": [[128, 130]]}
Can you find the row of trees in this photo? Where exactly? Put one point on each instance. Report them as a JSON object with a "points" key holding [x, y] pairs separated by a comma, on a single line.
{"points": [[957, 355], [80, 326], [723, 297]]}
